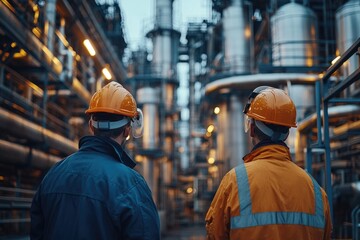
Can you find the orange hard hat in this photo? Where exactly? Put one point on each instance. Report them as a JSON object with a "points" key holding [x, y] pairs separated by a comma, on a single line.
{"points": [[273, 106], [113, 98]]}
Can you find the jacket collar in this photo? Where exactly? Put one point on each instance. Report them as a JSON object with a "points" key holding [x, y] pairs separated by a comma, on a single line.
{"points": [[268, 150], [107, 146]]}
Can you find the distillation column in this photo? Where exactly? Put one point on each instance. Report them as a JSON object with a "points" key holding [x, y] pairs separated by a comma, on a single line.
{"points": [[158, 163], [237, 51], [148, 98]]}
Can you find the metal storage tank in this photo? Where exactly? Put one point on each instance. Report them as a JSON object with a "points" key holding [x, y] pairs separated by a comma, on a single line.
{"points": [[237, 35], [347, 32], [294, 36]]}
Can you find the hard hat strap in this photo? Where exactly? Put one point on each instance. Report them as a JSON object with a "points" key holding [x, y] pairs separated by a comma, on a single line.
{"points": [[109, 125], [275, 136]]}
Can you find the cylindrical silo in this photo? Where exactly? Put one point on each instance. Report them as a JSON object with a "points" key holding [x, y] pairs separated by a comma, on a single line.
{"points": [[237, 36], [148, 98], [348, 31], [294, 36], [149, 102]]}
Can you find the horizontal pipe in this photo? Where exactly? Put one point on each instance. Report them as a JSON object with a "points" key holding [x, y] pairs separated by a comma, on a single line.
{"points": [[15, 220], [308, 123], [12, 153], [20, 127], [27, 39], [251, 81], [334, 112]]}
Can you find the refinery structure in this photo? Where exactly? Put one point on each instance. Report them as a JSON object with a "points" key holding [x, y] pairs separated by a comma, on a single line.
{"points": [[55, 54]]}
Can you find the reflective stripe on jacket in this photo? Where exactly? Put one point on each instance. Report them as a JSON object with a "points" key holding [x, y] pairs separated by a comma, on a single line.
{"points": [[269, 197]]}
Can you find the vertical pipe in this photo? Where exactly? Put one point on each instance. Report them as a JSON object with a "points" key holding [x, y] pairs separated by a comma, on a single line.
{"points": [[45, 99], [326, 27], [164, 13], [222, 154], [61, 46], [308, 163], [149, 170], [325, 119], [238, 143], [192, 116], [318, 111], [2, 71], [50, 16], [328, 185], [162, 39]]}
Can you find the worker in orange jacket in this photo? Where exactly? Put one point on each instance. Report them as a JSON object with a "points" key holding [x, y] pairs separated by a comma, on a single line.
{"points": [[268, 196]]}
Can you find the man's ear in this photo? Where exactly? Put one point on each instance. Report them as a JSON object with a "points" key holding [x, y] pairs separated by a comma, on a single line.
{"points": [[91, 127], [252, 129], [127, 131]]}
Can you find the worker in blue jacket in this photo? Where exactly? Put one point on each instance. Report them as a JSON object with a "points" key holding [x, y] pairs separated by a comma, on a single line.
{"points": [[95, 193]]}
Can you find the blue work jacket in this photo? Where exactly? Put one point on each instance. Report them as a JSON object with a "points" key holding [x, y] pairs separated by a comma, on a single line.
{"points": [[94, 194]]}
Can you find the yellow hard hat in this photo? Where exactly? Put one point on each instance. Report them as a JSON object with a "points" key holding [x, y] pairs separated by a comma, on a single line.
{"points": [[273, 106], [113, 98]]}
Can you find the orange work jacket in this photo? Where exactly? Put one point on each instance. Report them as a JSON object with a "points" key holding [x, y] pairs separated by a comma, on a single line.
{"points": [[269, 197]]}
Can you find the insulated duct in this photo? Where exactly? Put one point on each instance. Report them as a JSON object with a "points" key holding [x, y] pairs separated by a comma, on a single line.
{"points": [[16, 154], [20, 127], [308, 123], [252, 81]]}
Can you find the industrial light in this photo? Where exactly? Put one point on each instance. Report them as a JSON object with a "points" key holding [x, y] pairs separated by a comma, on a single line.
{"points": [[106, 73], [89, 47], [335, 60], [181, 149], [216, 110], [20, 54], [139, 158], [210, 128], [189, 190], [211, 160]]}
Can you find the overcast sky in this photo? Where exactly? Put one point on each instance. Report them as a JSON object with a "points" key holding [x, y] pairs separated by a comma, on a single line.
{"points": [[139, 17]]}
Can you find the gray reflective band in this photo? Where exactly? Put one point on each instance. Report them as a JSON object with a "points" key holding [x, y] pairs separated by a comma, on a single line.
{"points": [[107, 125], [249, 219], [269, 132]]}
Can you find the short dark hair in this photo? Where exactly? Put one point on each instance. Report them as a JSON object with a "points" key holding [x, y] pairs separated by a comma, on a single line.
{"points": [[112, 133], [276, 128]]}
